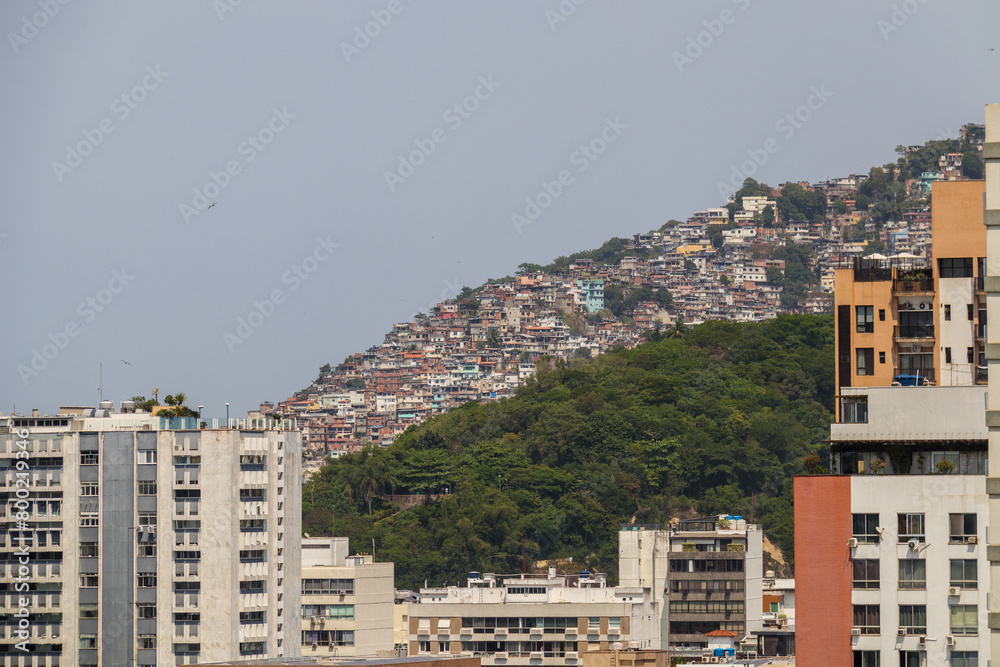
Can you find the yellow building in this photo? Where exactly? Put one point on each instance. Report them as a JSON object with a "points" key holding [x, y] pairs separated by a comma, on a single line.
{"points": [[896, 320]]}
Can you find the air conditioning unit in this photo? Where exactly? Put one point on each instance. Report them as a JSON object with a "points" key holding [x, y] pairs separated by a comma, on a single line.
{"points": [[923, 640], [972, 539], [901, 632], [853, 543], [314, 646], [923, 305], [913, 544], [950, 640], [954, 591], [855, 632]]}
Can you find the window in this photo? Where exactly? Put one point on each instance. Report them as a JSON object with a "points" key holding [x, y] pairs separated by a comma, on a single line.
{"points": [[88, 581], [968, 308], [866, 618], [865, 318], [88, 458], [854, 410], [964, 574], [912, 574], [147, 518], [594, 622], [147, 488], [146, 611], [911, 527], [88, 489], [145, 550], [88, 641], [881, 315], [866, 360], [955, 267], [146, 641], [255, 616], [864, 527], [251, 647], [88, 610], [947, 355], [970, 355], [252, 556], [963, 619], [964, 659], [866, 659], [913, 618], [88, 549], [251, 587], [909, 659], [962, 527], [423, 646], [881, 357], [947, 312], [865, 573], [147, 580], [146, 456]]}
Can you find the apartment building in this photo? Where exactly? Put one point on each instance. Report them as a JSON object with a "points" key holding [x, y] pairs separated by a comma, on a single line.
{"points": [[891, 565], [146, 541], [548, 619], [347, 601], [896, 318], [709, 571]]}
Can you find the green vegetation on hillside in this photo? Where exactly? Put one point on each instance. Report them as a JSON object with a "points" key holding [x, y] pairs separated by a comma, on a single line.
{"points": [[711, 419]]}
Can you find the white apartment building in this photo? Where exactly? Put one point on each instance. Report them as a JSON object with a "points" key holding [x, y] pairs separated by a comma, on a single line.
{"points": [[891, 564], [147, 541], [531, 620], [347, 601]]}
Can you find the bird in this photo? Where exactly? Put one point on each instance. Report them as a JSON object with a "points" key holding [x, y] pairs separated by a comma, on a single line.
{"points": [[213, 204], [126, 363]]}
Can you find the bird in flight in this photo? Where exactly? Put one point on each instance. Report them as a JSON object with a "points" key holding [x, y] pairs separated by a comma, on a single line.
{"points": [[126, 363], [213, 204]]}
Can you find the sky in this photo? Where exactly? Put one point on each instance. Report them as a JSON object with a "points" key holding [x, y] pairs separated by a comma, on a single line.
{"points": [[365, 160]]}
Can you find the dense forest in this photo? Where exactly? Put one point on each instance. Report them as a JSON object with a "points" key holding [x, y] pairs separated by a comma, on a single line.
{"points": [[716, 418]]}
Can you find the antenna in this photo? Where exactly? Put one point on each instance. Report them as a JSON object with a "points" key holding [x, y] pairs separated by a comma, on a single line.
{"points": [[100, 388]]}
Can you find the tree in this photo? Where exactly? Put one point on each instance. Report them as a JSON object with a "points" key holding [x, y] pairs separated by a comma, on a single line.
{"points": [[972, 165], [861, 202], [767, 216], [840, 207]]}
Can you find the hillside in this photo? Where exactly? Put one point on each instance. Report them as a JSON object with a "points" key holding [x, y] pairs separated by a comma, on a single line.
{"points": [[716, 418]]}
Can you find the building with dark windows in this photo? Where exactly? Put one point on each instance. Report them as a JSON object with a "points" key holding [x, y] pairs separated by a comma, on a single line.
{"points": [[902, 319], [149, 540], [890, 556]]}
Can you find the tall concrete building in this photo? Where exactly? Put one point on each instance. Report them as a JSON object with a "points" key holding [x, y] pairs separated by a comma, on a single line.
{"points": [[141, 540], [991, 215], [898, 317], [706, 572], [890, 563], [348, 602]]}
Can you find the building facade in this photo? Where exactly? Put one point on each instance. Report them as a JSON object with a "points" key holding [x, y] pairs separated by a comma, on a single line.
{"points": [[890, 553], [347, 601], [898, 319], [142, 540], [709, 571], [523, 620]]}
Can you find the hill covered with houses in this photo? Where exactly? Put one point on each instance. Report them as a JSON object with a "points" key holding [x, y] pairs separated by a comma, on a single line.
{"points": [[766, 251]]}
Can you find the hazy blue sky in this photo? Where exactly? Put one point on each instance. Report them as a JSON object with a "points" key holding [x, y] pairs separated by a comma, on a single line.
{"points": [[116, 113]]}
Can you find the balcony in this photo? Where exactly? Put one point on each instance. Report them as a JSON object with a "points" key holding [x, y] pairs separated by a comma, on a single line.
{"points": [[926, 375], [913, 332], [921, 285]]}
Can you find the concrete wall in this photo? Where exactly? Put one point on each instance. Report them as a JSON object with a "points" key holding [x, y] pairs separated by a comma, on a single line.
{"points": [[917, 413]]}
